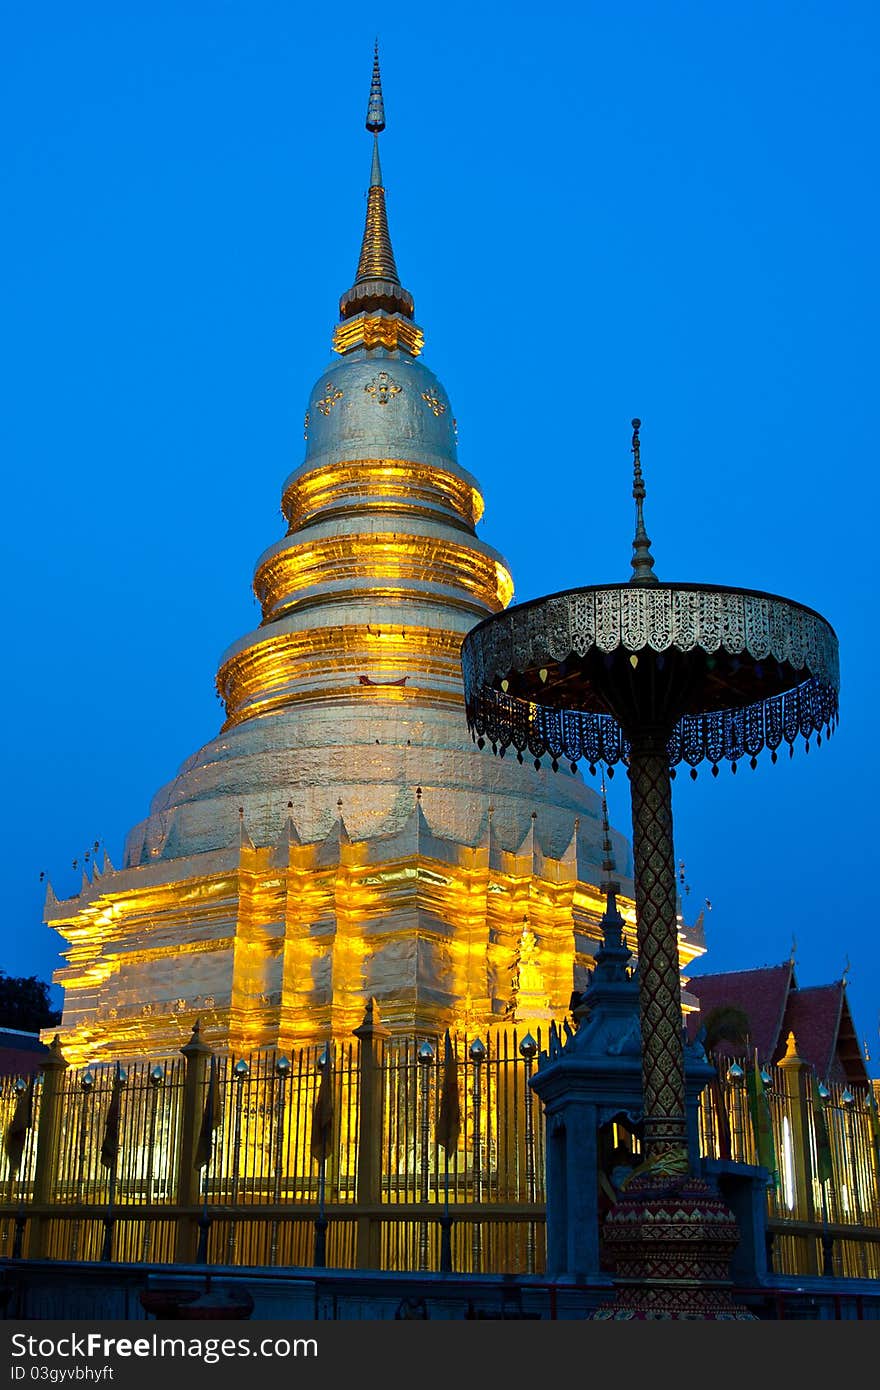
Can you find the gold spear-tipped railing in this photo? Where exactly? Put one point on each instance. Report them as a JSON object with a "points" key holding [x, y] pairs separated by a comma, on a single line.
{"points": [[385, 1182]]}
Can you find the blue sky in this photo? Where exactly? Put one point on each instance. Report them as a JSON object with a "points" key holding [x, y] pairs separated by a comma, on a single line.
{"points": [[602, 210]]}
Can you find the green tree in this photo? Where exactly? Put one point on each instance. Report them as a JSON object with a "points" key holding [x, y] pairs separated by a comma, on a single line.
{"points": [[25, 1003]]}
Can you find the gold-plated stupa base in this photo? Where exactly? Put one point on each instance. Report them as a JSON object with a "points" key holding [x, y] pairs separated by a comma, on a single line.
{"points": [[670, 1244]]}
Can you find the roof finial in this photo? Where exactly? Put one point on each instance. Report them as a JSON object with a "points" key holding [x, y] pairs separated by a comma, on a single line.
{"points": [[376, 106], [642, 560]]}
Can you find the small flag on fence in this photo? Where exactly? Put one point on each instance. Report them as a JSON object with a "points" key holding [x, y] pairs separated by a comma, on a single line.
{"points": [[211, 1118], [449, 1118], [16, 1133], [824, 1157], [322, 1117], [110, 1142], [762, 1125]]}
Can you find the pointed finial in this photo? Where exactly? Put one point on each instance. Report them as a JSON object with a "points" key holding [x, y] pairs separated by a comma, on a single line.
{"points": [[608, 863], [642, 560], [846, 970], [793, 954], [613, 954], [375, 105], [377, 290], [371, 1027], [376, 172]]}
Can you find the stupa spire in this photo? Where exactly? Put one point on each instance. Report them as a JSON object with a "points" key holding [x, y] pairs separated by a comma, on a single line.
{"points": [[376, 105], [642, 560], [377, 293]]}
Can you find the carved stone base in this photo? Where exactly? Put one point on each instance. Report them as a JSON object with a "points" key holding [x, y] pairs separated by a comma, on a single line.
{"points": [[670, 1244]]}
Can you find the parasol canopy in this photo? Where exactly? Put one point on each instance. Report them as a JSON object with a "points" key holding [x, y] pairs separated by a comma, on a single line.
{"points": [[723, 672]]}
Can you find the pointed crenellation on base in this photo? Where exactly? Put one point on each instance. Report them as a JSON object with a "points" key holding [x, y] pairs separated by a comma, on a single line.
{"points": [[305, 934]]}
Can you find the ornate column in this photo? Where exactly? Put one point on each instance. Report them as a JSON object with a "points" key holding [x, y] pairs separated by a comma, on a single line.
{"points": [[665, 1137]]}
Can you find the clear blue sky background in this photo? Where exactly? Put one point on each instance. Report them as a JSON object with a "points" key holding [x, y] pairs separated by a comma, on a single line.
{"points": [[662, 209]]}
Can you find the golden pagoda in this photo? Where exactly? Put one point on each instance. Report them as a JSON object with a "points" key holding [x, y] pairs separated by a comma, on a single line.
{"points": [[340, 839]]}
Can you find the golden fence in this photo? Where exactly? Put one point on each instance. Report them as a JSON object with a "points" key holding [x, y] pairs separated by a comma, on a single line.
{"points": [[823, 1216], [380, 1197]]}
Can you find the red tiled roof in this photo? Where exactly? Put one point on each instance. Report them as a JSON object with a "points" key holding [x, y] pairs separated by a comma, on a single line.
{"points": [[20, 1053], [762, 994], [813, 1015], [819, 1017], [15, 1061]]}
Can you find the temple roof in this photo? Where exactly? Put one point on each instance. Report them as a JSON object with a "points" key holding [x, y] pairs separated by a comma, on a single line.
{"points": [[821, 1021], [20, 1053], [819, 1017], [762, 994]]}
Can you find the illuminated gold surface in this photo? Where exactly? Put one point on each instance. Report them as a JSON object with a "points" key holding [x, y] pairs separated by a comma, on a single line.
{"points": [[380, 557], [376, 258], [378, 329], [333, 659], [288, 942], [385, 485]]}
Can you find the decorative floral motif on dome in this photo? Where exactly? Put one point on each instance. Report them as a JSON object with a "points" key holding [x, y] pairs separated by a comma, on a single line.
{"points": [[306, 422], [434, 403], [382, 388], [327, 402]]}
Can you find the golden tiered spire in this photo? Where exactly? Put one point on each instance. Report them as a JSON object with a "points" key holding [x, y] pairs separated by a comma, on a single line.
{"points": [[377, 311], [377, 258]]}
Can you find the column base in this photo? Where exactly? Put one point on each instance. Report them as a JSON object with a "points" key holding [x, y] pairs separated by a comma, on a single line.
{"points": [[670, 1241]]}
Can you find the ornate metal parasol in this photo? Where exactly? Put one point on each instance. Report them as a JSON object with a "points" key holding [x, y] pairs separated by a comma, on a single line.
{"points": [[652, 674]]}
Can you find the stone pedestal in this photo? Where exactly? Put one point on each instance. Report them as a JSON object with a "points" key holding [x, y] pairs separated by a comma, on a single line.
{"points": [[671, 1244]]}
